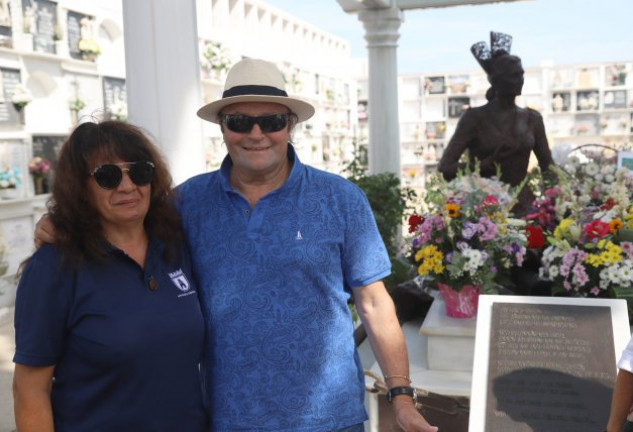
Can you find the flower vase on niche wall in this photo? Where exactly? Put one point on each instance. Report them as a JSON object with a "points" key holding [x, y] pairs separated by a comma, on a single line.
{"points": [[462, 302], [39, 185]]}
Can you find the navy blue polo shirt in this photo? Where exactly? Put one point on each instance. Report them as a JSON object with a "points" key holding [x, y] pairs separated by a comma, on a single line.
{"points": [[126, 341]]}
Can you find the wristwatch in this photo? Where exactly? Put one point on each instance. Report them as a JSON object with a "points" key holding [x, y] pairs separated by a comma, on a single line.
{"points": [[405, 390]]}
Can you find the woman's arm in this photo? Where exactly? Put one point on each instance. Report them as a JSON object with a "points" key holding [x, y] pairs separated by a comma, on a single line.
{"points": [[459, 143], [541, 146], [32, 398], [621, 401]]}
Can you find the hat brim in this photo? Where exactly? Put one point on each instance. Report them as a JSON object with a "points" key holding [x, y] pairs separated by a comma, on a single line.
{"points": [[303, 110]]}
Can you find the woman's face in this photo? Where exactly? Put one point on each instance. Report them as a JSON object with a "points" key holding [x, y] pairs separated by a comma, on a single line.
{"points": [[508, 75], [124, 205]]}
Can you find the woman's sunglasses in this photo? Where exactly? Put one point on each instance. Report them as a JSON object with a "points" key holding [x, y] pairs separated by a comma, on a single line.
{"points": [[242, 123], [109, 176]]}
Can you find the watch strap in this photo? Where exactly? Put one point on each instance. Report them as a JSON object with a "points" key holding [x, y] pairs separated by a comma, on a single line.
{"points": [[403, 390]]}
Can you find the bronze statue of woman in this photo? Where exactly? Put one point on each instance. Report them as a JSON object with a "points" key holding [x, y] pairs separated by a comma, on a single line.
{"points": [[499, 132]]}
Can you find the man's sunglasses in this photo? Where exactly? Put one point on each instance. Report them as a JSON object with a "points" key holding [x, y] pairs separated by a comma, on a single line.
{"points": [[242, 123], [109, 176]]}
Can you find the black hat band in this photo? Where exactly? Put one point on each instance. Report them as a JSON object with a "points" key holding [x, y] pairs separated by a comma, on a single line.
{"points": [[253, 90]]}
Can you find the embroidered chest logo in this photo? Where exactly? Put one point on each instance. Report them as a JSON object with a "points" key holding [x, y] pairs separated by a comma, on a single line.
{"points": [[180, 280], [298, 236]]}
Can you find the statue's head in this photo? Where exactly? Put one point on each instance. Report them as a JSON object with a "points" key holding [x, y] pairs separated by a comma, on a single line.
{"points": [[506, 74], [504, 70]]}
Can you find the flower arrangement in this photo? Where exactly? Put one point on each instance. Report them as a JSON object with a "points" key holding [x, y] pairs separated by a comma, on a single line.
{"points": [[467, 236], [118, 110], [589, 252], [39, 166], [89, 48], [587, 258], [10, 178], [214, 57], [76, 105], [21, 97]]}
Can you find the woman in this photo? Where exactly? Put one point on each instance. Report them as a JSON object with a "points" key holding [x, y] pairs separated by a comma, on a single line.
{"points": [[499, 133], [109, 331]]}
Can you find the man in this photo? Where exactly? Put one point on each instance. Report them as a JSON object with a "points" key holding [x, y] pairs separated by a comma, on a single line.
{"points": [[278, 248]]}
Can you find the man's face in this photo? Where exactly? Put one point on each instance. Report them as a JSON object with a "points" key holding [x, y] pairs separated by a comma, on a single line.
{"points": [[256, 153]]}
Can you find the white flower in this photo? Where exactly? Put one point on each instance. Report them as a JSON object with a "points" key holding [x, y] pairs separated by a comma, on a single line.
{"points": [[21, 95], [591, 169]]}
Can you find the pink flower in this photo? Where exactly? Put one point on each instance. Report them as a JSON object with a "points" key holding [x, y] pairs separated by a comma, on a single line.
{"points": [[490, 200]]}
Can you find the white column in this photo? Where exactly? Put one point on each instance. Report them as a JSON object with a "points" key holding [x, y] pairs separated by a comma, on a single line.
{"points": [[381, 27], [163, 79]]}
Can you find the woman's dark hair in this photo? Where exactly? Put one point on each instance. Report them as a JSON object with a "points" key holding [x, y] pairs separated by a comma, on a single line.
{"points": [[78, 231]]}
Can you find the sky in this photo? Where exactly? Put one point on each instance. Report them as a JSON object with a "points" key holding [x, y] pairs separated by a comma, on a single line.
{"points": [[563, 32]]}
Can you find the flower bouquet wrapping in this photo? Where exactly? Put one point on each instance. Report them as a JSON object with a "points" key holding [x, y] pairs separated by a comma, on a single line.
{"points": [[466, 237]]}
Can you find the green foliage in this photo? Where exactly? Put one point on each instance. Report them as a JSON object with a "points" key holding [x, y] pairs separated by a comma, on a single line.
{"points": [[389, 202]]}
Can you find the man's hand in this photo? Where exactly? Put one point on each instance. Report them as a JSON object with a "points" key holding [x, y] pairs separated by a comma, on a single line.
{"points": [[44, 231], [408, 417]]}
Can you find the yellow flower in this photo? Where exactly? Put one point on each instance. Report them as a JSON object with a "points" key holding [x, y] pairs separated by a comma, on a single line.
{"points": [[594, 260], [431, 260], [611, 254], [567, 228], [453, 210], [629, 218]]}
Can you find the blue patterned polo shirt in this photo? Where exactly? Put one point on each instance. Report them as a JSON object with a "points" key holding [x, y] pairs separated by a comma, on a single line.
{"points": [[274, 283]]}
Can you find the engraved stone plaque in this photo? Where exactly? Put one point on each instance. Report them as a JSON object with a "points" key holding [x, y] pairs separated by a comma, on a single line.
{"points": [[551, 368]]}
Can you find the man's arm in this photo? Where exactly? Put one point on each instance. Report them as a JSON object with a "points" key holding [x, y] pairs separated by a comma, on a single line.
{"points": [[378, 315]]}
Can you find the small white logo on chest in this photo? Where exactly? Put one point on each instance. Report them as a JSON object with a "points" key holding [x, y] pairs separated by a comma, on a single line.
{"points": [[180, 280], [299, 236]]}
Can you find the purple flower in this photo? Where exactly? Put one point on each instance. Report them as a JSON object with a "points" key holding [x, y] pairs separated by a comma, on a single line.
{"points": [[461, 245], [580, 275], [469, 230], [488, 230], [564, 269], [448, 257]]}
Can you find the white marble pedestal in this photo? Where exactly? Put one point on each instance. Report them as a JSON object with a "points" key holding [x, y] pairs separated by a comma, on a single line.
{"points": [[450, 342]]}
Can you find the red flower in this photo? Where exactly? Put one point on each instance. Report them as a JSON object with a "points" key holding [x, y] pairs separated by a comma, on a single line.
{"points": [[414, 221], [608, 204], [597, 229], [490, 200], [535, 237]]}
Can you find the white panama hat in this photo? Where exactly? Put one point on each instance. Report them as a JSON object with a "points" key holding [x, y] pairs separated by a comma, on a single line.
{"points": [[254, 80]]}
